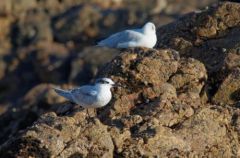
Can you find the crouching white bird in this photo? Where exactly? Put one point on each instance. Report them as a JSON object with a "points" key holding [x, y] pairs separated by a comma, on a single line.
{"points": [[142, 37], [90, 96]]}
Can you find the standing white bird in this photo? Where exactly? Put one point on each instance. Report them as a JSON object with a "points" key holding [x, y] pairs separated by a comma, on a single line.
{"points": [[143, 37], [90, 96]]}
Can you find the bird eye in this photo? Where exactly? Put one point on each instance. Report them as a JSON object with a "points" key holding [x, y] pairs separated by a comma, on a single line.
{"points": [[103, 82]]}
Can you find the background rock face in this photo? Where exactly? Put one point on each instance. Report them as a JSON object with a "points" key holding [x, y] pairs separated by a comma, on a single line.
{"points": [[211, 37], [180, 99]]}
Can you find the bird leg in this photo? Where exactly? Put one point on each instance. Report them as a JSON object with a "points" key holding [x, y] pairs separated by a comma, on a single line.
{"points": [[89, 116], [95, 112]]}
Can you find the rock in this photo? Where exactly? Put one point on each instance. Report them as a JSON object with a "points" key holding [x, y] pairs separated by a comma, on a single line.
{"points": [[210, 120], [229, 92], [84, 67], [56, 7], [5, 6], [53, 136], [41, 96], [48, 62], [182, 8], [5, 29], [16, 7], [32, 28], [197, 45], [165, 107], [151, 139], [141, 79], [3, 108], [78, 23], [210, 37], [144, 82], [51, 62], [37, 101], [22, 5], [2, 68], [151, 104], [85, 22], [5, 24], [232, 59], [191, 76], [42, 62], [138, 65]]}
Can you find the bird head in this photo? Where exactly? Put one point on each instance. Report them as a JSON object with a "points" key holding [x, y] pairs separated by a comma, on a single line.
{"points": [[149, 28], [105, 82]]}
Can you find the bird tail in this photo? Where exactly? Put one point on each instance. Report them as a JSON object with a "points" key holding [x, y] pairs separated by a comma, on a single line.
{"points": [[64, 93], [99, 44]]}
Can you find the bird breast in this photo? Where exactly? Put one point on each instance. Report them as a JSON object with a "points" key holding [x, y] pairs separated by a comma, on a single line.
{"points": [[150, 40], [104, 97]]}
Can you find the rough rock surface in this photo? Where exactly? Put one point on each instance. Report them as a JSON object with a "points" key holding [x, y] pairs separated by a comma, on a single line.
{"points": [[155, 117], [37, 101], [229, 90], [29, 28], [180, 99], [212, 37], [85, 63], [69, 136]]}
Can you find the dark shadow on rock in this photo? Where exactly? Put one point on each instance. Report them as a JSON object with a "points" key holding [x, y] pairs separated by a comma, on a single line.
{"points": [[24, 147]]}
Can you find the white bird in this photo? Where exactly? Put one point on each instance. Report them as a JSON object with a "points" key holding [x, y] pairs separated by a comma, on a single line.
{"points": [[143, 37], [90, 96]]}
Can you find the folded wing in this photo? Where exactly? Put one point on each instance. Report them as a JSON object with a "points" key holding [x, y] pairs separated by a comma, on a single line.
{"points": [[121, 37], [85, 95]]}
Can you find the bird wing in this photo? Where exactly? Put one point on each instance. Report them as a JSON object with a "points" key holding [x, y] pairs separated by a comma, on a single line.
{"points": [[64, 93], [84, 95], [124, 36], [84, 91]]}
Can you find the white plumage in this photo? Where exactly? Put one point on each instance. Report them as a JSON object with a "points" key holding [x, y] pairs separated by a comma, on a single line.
{"points": [[143, 37], [90, 96]]}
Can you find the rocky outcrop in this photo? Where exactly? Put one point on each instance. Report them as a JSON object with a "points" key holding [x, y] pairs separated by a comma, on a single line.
{"points": [[29, 28], [212, 37], [37, 101], [157, 111], [229, 91], [70, 137], [85, 63], [180, 99]]}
